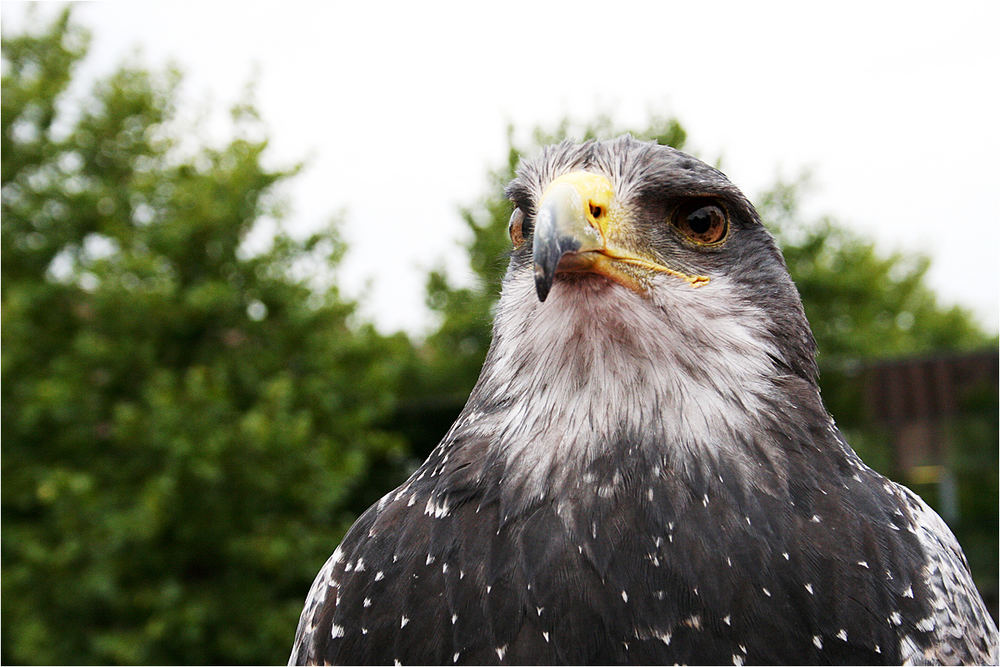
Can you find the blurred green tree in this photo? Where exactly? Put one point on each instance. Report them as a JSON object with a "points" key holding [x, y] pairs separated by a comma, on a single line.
{"points": [[187, 425], [862, 304]]}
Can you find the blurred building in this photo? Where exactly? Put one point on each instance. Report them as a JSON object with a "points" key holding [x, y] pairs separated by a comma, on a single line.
{"points": [[940, 416]]}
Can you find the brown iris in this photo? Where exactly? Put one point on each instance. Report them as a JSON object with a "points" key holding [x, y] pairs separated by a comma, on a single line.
{"points": [[704, 224], [516, 227]]}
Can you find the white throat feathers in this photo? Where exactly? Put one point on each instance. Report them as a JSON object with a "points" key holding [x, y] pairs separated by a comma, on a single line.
{"points": [[692, 368]]}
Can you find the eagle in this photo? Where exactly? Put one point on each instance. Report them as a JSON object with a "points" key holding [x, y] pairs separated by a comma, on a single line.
{"points": [[644, 471]]}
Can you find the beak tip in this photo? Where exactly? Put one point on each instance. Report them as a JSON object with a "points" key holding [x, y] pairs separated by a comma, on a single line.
{"points": [[543, 283]]}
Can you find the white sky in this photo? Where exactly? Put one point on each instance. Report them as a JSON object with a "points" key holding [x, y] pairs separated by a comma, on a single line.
{"points": [[403, 107]]}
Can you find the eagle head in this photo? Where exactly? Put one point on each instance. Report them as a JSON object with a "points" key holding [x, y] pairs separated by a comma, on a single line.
{"points": [[649, 227], [644, 303]]}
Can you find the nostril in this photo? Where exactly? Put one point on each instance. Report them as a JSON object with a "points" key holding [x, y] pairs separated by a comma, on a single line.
{"points": [[596, 211]]}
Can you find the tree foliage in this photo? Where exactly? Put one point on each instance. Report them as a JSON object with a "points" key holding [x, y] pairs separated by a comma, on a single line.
{"points": [[185, 424], [862, 304]]}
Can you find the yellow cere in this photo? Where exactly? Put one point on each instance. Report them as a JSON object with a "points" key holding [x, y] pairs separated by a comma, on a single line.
{"points": [[593, 188]]}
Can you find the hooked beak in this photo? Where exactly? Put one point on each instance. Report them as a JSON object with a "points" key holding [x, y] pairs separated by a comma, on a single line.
{"points": [[562, 228]]}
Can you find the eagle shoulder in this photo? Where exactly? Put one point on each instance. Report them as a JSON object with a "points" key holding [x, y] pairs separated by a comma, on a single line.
{"points": [[958, 626]]}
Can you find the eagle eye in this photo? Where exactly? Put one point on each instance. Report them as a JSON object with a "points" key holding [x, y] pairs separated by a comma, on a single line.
{"points": [[704, 224], [516, 227]]}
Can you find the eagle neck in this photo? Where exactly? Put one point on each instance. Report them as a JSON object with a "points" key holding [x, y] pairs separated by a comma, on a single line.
{"points": [[598, 368]]}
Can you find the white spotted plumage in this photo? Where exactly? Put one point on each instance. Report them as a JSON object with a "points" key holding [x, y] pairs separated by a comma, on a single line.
{"points": [[607, 420]]}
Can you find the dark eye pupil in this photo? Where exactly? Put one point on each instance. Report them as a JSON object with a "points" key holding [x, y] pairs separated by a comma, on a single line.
{"points": [[700, 221]]}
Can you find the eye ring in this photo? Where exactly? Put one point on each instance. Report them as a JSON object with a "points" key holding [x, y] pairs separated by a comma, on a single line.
{"points": [[516, 227], [701, 222]]}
